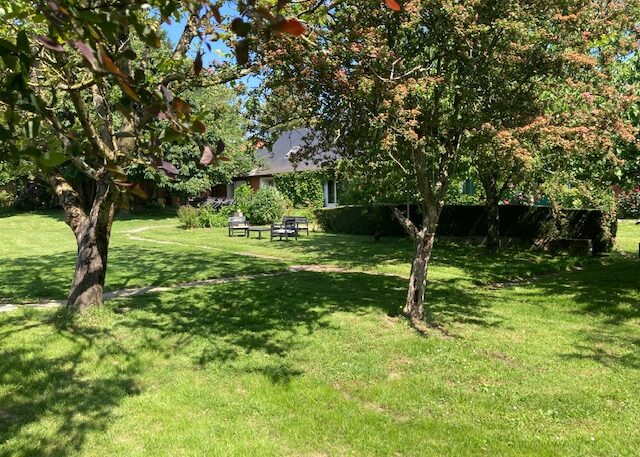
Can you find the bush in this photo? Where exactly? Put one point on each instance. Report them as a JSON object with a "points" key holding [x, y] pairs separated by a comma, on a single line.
{"points": [[221, 217], [628, 204], [528, 223], [34, 196], [304, 188], [266, 206], [188, 216], [243, 196], [6, 199], [205, 215]]}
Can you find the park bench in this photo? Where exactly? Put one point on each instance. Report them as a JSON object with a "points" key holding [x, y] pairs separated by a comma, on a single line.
{"points": [[301, 222], [285, 230], [238, 223]]}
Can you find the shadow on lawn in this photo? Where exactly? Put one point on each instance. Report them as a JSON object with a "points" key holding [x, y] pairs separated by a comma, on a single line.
{"points": [[271, 316], [50, 400], [363, 252], [42, 277], [61, 381], [610, 293]]}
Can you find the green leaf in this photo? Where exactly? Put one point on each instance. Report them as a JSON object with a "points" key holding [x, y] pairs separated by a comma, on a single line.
{"points": [[51, 159]]}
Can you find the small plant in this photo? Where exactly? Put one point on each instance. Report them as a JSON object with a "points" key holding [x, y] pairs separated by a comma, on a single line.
{"points": [[188, 216]]}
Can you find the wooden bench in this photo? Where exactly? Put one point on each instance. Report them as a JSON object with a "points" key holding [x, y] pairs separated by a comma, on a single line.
{"points": [[301, 222], [238, 224]]}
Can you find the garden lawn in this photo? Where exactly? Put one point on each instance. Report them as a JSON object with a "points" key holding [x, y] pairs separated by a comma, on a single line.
{"points": [[314, 363], [37, 256]]}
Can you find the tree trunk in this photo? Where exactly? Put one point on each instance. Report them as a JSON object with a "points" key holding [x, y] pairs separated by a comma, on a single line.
{"points": [[414, 306], [423, 239], [87, 287], [492, 242], [92, 231]]}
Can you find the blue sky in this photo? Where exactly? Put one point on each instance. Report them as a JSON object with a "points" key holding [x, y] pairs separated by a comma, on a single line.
{"points": [[220, 52]]}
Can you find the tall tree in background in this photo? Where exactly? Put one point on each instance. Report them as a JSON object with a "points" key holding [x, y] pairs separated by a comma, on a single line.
{"points": [[77, 97], [419, 87], [221, 111]]}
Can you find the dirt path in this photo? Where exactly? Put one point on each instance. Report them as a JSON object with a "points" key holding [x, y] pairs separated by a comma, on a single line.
{"points": [[136, 291]]}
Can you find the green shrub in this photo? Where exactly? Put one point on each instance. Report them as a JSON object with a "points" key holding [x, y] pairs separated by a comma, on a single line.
{"points": [[188, 216], [243, 196], [6, 199], [266, 206], [303, 188], [221, 218], [205, 215], [628, 204], [528, 223]]}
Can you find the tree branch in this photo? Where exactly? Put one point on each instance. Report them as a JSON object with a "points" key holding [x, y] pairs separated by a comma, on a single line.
{"points": [[74, 215]]}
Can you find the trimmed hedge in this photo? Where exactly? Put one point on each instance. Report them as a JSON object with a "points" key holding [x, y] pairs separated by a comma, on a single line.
{"points": [[528, 223]]}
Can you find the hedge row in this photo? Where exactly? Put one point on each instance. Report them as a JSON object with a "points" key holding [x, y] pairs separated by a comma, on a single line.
{"points": [[528, 223]]}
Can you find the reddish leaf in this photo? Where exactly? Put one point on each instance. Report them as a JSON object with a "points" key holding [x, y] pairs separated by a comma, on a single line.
{"points": [[181, 106], [50, 43], [197, 64], [169, 168], [87, 53], [291, 26], [395, 6], [109, 64], [127, 89], [199, 126], [207, 156], [220, 147]]}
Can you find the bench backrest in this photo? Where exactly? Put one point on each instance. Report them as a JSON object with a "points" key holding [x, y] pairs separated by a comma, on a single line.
{"points": [[298, 220], [237, 220]]}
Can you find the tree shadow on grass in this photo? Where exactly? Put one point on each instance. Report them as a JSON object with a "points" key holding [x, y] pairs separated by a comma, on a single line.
{"points": [[61, 382], [273, 316], [49, 276], [52, 399], [610, 295], [363, 252]]}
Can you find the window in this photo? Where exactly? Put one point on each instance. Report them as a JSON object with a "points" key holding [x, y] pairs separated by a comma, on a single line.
{"points": [[331, 192], [468, 187], [267, 182]]}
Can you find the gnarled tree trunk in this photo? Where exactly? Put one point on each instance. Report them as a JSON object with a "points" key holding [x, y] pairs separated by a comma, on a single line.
{"points": [[92, 231], [423, 240]]}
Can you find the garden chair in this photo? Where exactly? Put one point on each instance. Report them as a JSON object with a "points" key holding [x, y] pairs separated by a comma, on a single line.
{"points": [[238, 223], [301, 222], [285, 230]]}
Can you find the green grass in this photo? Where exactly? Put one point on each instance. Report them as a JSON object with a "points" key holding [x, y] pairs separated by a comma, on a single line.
{"points": [[319, 363], [628, 237]]}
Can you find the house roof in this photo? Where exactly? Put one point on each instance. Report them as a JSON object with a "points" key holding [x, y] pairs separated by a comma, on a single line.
{"points": [[277, 160]]}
